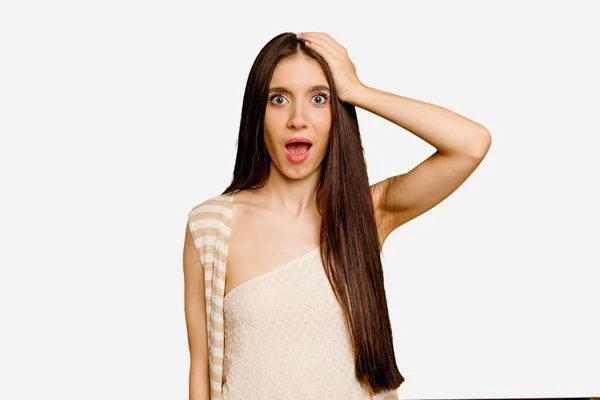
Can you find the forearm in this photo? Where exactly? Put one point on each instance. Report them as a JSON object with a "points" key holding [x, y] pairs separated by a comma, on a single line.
{"points": [[199, 385], [447, 131]]}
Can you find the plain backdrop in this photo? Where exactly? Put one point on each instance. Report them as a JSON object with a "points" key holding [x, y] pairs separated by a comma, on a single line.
{"points": [[118, 117]]}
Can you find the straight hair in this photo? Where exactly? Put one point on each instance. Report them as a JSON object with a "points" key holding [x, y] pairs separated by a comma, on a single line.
{"points": [[350, 248]]}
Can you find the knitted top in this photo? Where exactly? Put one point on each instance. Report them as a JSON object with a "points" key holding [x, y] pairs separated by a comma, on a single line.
{"points": [[314, 361]]}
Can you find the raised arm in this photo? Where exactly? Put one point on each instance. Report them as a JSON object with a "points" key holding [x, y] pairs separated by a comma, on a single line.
{"points": [[461, 144]]}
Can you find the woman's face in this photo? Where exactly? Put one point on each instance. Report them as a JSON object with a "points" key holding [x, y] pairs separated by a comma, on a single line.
{"points": [[298, 106]]}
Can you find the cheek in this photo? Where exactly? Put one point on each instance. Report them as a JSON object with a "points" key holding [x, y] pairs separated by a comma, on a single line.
{"points": [[323, 124], [269, 135], [268, 123], [270, 126], [268, 138]]}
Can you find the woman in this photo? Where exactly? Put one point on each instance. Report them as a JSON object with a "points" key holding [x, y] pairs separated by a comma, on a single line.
{"points": [[301, 312]]}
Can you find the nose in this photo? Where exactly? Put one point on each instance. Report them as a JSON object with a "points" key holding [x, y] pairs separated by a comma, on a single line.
{"points": [[298, 117]]}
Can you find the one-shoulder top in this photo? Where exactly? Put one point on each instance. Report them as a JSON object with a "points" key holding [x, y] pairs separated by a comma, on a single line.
{"points": [[281, 334], [286, 338]]}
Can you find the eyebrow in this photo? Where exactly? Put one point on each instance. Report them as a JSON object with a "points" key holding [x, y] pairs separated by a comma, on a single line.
{"points": [[316, 88]]}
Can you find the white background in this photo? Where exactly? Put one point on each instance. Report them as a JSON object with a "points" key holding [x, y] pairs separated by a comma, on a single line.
{"points": [[110, 112]]}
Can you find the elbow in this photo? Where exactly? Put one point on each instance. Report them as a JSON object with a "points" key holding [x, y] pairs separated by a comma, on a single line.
{"points": [[481, 144]]}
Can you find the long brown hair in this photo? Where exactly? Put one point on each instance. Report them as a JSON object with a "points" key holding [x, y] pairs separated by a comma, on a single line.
{"points": [[350, 247]]}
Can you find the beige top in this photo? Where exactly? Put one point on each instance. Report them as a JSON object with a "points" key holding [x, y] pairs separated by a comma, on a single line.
{"points": [[286, 337], [210, 226]]}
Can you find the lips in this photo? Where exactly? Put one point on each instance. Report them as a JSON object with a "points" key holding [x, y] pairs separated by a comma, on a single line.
{"points": [[297, 139], [297, 149]]}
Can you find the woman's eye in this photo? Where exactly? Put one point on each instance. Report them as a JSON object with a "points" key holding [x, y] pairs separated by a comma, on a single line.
{"points": [[323, 98], [277, 96]]}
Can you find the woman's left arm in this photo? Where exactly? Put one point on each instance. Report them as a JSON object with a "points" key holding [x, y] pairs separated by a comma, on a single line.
{"points": [[461, 145], [450, 133]]}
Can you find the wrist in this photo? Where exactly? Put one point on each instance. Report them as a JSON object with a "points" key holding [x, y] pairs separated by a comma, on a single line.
{"points": [[357, 93]]}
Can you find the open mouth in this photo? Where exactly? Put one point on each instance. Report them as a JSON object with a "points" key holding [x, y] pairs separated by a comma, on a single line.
{"points": [[298, 148], [297, 152]]}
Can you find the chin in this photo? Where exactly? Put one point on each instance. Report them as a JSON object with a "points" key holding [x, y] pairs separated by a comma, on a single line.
{"points": [[298, 172]]}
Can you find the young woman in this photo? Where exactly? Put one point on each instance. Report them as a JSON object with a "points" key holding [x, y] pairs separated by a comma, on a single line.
{"points": [[284, 288]]}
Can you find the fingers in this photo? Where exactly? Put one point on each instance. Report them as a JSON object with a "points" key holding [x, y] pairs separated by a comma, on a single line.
{"points": [[328, 39], [324, 41]]}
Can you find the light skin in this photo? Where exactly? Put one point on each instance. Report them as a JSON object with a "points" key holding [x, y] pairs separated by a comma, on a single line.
{"points": [[298, 105]]}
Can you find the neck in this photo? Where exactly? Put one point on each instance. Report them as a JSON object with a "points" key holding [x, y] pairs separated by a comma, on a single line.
{"points": [[294, 197]]}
